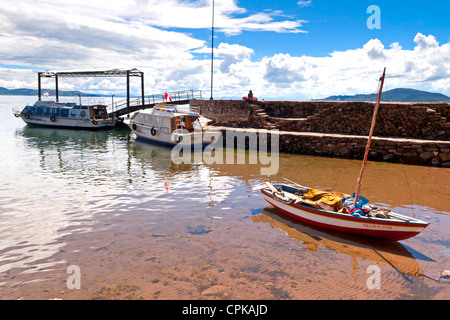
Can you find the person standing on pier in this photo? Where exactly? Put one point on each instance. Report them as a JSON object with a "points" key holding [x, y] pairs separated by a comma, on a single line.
{"points": [[250, 95]]}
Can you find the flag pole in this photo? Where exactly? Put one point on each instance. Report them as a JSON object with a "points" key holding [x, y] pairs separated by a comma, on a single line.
{"points": [[212, 51], [372, 128]]}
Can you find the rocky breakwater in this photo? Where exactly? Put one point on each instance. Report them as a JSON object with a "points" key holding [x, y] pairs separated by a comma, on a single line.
{"points": [[413, 133], [401, 120]]}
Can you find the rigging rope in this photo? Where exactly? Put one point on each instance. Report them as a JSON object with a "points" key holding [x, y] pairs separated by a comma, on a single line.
{"points": [[410, 194]]}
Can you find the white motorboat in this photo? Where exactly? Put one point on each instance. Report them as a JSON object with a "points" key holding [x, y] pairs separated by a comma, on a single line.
{"points": [[170, 125], [67, 115]]}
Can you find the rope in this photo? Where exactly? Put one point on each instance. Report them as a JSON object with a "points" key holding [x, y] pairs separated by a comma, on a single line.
{"points": [[409, 189]]}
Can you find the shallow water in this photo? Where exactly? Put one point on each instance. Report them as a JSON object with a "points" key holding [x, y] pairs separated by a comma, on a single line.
{"points": [[139, 226]]}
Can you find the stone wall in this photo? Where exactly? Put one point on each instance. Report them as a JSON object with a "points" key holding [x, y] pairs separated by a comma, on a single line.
{"points": [[421, 152], [407, 151], [401, 120], [393, 120], [413, 133], [224, 112]]}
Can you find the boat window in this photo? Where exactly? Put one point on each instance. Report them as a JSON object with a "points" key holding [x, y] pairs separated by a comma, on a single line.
{"points": [[102, 112], [83, 114], [48, 112], [73, 113], [39, 111], [98, 112], [31, 110], [55, 112], [64, 113]]}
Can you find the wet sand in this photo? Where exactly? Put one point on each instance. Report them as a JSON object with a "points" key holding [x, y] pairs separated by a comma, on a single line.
{"points": [[241, 248], [140, 227]]}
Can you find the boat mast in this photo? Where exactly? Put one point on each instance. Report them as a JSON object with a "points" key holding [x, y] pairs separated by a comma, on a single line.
{"points": [[372, 128], [212, 51]]}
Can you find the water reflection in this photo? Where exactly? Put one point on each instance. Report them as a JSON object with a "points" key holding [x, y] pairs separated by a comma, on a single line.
{"points": [[158, 159], [72, 182], [379, 252], [62, 185]]}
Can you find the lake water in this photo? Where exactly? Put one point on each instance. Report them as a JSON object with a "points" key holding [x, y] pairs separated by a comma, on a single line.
{"points": [[137, 226]]}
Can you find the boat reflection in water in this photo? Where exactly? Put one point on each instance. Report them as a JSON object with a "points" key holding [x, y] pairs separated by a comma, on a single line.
{"points": [[380, 252]]}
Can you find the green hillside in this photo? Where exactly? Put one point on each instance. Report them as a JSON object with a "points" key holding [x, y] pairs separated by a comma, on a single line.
{"points": [[394, 95]]}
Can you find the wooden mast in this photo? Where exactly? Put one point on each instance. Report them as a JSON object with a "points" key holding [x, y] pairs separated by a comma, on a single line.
{"points": [[212, 51], [372, 128]]}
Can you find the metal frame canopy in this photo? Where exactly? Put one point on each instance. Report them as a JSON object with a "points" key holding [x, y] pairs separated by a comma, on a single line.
{"points": [[108, 73]]}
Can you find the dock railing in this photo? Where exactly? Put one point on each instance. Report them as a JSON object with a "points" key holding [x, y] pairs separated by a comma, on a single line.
{"points": [[118, 107]]}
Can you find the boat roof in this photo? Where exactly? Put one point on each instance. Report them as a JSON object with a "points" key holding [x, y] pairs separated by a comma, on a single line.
{"points": [[53, 104], [169, 110]]}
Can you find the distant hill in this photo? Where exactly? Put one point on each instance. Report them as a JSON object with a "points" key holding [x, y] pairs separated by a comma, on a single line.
{"points": [[394, 95], [52, 92]]}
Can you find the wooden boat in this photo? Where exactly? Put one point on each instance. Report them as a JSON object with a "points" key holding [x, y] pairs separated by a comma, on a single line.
{"points": [[342, 212], [66, 115], [170, 125], [375, 222]]}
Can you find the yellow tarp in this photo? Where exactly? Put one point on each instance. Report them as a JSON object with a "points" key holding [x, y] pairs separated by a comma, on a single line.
{"points": [[326, 197]]}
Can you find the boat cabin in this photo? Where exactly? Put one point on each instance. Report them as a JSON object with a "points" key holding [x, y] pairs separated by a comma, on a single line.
{"points": [[98, 112], [168, 120], [66, 110], [184, 122]]}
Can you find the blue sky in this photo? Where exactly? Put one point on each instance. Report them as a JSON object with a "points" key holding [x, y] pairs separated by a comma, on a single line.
{"points": [[281, 50], [341, 25]]}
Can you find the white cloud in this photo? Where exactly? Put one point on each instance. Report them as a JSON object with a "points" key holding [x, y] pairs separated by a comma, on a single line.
{"points": [[284, 69], [198, 15], [374, 49], [283, 76], [304, 3], [231, 54], [425, 42], [105, 34]]}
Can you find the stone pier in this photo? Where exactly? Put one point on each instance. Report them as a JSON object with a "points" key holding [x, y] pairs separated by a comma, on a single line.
{"points": [[411, 133]]}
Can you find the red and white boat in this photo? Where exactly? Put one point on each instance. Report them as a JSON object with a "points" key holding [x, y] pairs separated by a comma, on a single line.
{"points": [[378, 223], [337, 211]]}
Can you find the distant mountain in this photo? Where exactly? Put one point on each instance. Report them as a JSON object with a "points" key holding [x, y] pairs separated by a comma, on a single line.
{"points": [[52, 92], [394, 95]]}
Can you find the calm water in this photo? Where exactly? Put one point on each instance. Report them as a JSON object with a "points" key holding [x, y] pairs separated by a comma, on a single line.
{"points": [[139, 226]]}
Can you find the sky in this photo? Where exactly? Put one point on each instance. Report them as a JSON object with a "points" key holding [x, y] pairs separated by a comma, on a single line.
{"points": [[281, 50]]}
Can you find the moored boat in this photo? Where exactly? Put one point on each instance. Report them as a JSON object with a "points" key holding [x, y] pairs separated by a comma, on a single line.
{"points": [[333, 210], [337, 211], [170, 125], [66, 115]]}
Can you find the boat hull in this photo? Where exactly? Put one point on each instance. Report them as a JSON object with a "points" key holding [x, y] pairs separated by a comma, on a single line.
{"points": [[145, 133], [67, 123], [166, 142], [371, 227]]}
